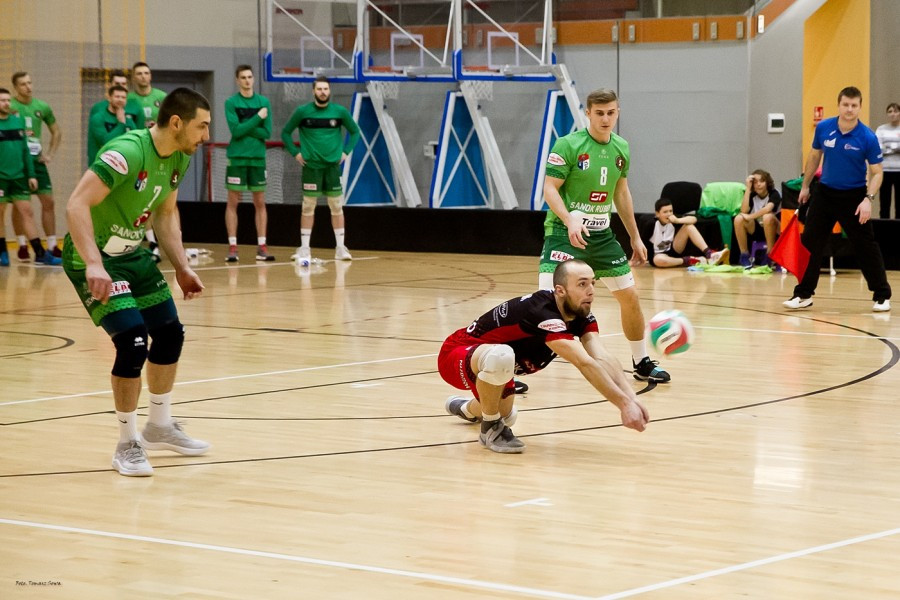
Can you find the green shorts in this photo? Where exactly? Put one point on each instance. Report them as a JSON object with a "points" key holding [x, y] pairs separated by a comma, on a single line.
{"points": [[243, 178], [14, 189], [322, 182], [603, 254], [137, 282], [43, 178]]}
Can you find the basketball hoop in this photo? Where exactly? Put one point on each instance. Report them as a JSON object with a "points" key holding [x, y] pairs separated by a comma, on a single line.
{"points": [[482, 90], [388, 90]]}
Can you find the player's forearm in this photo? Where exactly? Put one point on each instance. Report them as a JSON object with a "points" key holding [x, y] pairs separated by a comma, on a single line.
{"points": [[81, 229], [598, 375], [625, 208], [55, 141], [876, 176], [812, 165], [555, 203], [287, 138]]}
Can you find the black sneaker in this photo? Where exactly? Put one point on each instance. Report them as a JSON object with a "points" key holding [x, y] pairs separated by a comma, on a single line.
{"points": [[454, 405], [649, 370], [521, 386]]}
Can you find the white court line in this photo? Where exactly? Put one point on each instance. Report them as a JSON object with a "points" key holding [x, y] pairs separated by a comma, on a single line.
{"points": [[257, 265], [472, 583], [749, 565], [815, 333], [230, 377]]}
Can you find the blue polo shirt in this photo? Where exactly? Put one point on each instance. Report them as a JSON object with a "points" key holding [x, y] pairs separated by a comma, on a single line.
{"points": [[846, 154]]}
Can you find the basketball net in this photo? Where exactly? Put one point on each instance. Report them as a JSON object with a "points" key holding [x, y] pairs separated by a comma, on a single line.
{"points": [[297, 92]]}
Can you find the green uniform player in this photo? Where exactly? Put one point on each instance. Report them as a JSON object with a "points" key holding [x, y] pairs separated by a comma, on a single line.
{"points": [[586, 173], [35, 114], [109, 123], [250, 122], [149, 104], [136, 176], [322, 149]]}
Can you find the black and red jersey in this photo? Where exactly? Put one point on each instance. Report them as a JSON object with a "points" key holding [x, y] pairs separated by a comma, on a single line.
{"points": [[525, 324]]}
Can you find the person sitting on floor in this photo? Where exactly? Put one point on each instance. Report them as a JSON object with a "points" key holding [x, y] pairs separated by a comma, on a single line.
{"points": [[667, 244]]}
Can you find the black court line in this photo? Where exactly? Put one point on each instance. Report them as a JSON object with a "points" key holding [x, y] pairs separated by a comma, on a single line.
{"points": [[66, 342], [895, 358]]}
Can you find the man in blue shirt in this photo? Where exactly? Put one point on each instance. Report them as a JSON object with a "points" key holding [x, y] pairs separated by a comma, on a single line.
{"points": [[844, 195]]}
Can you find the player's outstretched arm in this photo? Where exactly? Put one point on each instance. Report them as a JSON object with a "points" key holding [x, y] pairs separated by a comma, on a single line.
{"points": [[168, 234], [600, 371], [89, 192]]}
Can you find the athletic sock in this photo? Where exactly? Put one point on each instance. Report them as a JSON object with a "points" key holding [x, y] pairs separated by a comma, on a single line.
{"points": [[638, 350], [261, 241], [232, 241], [38, 249], [339, 236], [127, 426], [160, 412], [51, 241], [22, 241], [305, 234]]}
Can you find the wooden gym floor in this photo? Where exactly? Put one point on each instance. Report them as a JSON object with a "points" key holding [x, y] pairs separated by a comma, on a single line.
{"points": [[771, 468]]}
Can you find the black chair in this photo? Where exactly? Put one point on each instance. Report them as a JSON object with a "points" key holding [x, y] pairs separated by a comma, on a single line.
{"points": [[685, 196]]}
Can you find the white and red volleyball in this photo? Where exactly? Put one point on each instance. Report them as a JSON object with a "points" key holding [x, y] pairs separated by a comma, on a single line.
{"points": [[670, 332]]}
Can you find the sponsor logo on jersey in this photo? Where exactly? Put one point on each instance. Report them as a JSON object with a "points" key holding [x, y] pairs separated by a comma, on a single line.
{"points": [[119, 288], [156, 103], [829, 143], [560, 256], [599, 197], [850, 147], [174, 180], [116, 161], [556, 160], [39, 114], [584, 161], [140, 183], [554, 325], [309, 186], [233, 180], [333, 122], [501, 311], [620, 162], [142, 219]]}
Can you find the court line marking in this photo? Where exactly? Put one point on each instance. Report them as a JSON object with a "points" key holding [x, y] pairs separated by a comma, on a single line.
{"points": [[749, 565], [472, 583], [260, 264], [230, 378]]}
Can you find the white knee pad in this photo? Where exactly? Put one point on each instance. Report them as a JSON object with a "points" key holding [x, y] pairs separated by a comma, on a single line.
{"points": [[545, 281], [336, 204], [496, 365], [309, 206]]}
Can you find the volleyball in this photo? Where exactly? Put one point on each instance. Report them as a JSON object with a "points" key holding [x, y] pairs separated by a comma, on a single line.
{"points": [[670, 332]]}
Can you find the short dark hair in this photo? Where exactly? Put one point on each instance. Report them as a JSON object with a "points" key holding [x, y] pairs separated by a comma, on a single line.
{"points": [[601, 96], [139, 63], [4, 91], [661, 203], [893, 105], [561, 273], [240, 68], [17, 76], [320, 79], [116, 88], [850, 92], [116, 73], [183, 102]]}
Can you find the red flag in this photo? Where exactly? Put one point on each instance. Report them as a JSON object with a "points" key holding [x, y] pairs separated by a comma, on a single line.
{"points": [[789, 252]]}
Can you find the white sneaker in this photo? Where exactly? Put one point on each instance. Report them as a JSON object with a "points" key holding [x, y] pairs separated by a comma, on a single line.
{"points": [[302, 256], [882, 306], [341, 253], [797, 303], [131, 460], [172, 437]]}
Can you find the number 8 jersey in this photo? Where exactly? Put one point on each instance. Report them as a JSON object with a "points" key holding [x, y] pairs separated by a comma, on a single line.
{"points": [[139, 180], [591, 171]]}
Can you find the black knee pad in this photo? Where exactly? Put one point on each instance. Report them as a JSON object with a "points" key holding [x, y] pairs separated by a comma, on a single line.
{"points": [[131, 352], [167, 342]]}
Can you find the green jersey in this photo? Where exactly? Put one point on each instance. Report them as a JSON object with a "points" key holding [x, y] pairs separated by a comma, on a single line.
{"points": [[105, 126], [132, 109], [248, 132], [34, 114], [591, 171], [139, 180], [15, 159], [149, 104], [321, 140]]}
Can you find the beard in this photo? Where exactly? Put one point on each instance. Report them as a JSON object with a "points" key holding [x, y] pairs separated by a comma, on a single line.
{"points": [[579, 310], [322, 101]]}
